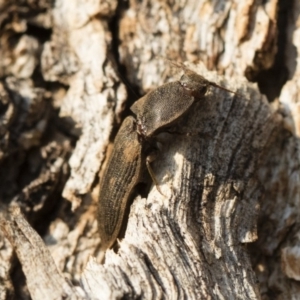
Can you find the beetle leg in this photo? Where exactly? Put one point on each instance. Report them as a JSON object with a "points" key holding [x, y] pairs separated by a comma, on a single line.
{"points": [[150, 158]]}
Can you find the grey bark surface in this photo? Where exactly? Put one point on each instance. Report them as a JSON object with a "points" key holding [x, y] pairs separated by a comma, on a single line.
{"points": [[227, 224]]}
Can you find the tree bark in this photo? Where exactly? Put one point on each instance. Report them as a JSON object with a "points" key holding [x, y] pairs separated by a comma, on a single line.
{"points": [[226, 225]]}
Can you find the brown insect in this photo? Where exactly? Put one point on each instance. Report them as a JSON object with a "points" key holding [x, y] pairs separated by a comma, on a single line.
{"points": [[135, 146]]}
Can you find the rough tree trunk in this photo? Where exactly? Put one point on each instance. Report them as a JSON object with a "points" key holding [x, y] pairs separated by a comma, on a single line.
{"points": [[227, 226]]}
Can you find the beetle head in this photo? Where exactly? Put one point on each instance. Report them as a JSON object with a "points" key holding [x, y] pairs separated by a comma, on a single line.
{"points": [[194, 83]]}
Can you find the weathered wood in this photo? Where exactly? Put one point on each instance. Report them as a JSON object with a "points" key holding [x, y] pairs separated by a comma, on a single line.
{"points": [[233, 37], [44, 281], [78, 55], [235, 161]]}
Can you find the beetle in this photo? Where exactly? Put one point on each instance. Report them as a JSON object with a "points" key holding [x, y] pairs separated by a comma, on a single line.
{"points": [[135, 146]]}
